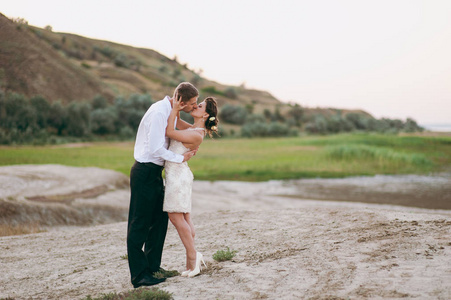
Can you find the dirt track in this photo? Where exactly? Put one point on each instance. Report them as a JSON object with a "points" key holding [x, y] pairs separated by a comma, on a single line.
{"points": [[287, 248]]}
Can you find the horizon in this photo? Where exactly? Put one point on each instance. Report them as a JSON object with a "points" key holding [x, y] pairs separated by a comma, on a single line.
{"points": [[390, 59]]}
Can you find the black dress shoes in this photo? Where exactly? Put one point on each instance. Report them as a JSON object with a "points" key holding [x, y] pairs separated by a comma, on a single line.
{"points": [[147, 281]]}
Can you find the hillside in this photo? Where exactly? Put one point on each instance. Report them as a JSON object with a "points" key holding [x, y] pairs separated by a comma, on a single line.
{"points": [[68, 67]]}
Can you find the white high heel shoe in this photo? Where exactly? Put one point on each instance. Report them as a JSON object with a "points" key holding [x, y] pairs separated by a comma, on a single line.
{"points": [[185, 273], [197, 269]]}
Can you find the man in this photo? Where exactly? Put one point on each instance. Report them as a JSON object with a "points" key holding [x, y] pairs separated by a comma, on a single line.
{"points": [[147, 223]]}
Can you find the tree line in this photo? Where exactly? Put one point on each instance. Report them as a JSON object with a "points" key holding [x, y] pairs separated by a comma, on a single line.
{"points": [[37, 121], [295, 121]]}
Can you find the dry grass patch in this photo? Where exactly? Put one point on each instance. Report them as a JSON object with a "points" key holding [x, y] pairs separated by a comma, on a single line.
{"points": [[8, 230]]}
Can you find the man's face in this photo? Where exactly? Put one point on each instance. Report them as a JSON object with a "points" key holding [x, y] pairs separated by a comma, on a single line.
{"points": [[190, 105]]}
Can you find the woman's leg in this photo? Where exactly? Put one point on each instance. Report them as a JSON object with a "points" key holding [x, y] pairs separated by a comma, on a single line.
{"points": [[187, 217], [190, 223], [184, 231]]}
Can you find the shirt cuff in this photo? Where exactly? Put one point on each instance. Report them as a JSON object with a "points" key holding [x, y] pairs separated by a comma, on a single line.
{"points": [[179, 158]]}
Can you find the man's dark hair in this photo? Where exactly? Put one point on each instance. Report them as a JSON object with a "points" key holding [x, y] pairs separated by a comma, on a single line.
{"points": [[187, 91]]}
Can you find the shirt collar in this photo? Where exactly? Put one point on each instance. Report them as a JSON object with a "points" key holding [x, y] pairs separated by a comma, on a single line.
{"points": [[168, 103]]}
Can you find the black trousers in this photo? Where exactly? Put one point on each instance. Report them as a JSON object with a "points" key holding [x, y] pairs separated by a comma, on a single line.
{"points": [[147, 223]]}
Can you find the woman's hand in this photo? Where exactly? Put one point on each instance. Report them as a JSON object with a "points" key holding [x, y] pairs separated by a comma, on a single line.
{"points": [[177, 103]]}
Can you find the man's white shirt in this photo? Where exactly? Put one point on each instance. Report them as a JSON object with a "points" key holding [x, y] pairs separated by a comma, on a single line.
{"points": [[151, 142]]}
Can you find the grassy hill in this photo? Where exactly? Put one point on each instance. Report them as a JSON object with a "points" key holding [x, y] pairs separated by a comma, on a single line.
{"points": [[71, 68], [68, 67]]}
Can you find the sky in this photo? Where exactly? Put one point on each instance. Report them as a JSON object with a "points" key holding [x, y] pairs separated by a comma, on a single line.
{"points": [[389, 58]]}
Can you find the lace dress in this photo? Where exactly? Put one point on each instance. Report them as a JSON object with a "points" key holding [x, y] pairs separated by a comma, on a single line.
{"points": [[179, 181]]}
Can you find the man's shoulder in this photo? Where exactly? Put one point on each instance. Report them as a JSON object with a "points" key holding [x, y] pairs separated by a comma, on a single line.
{"points": [[161, 105], [158, 110]]}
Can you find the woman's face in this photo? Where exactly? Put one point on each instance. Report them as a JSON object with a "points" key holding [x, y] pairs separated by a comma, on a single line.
{"points": [[199, 111]]}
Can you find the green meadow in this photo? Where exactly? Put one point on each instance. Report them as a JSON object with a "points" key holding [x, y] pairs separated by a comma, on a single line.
{"points": [[266, 158]]}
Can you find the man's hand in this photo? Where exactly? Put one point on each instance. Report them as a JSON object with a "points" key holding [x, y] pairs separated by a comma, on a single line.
{"points": [[195, 150], [188, 155]]}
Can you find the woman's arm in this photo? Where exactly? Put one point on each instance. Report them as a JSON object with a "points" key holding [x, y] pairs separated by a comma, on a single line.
{"points": [[186, 137]]}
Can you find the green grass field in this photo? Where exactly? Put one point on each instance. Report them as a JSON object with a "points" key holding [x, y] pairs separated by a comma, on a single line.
{"points": [[265, 159]]}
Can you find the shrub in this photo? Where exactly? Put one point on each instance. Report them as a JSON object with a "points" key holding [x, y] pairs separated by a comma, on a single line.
{"points": [[176, 73], [278, 129], [230, 92], [78, 119], [126, 133], [337, 124], [212, 90], [86, 65], [196, 79], [103, 121], [99, 102], [106, 51], [153, 293], [358, 121], [297, 113], [317, 126], [233, 114], [57, 117], [223, 255], [42, 110], [121, 60], [130, 112], [277, 116], [255, 129], [412, 126]]}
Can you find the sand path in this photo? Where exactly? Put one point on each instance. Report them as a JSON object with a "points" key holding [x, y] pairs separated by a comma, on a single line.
{"points": [[286, 249]]}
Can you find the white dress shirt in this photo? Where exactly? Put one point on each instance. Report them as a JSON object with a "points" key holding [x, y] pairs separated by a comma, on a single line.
{"points": [[151, 142]]}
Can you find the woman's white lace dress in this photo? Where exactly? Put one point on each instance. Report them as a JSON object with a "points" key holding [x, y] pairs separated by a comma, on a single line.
{"points": [[179, 182]]}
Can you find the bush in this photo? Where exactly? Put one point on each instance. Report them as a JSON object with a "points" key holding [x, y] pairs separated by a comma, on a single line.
{"points": [[17, 112], [278, 129], [297, 113], [57, 117], [103, 121], [130, 112], [121, 60], [233, 114], [317, 126], [99, 102], [78, 119], [412, 126], [230, 92], [255, 129], [223, 255], [106, 51], [126, 133], [358, 121], [338, 124], [153, 293], [212, 90], [42, 110]]}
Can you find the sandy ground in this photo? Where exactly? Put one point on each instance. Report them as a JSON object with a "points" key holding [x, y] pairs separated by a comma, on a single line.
{"points": [[287, 247]]}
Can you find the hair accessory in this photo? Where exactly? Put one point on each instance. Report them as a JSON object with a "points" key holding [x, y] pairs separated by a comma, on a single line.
{"points": [[212, 118]]}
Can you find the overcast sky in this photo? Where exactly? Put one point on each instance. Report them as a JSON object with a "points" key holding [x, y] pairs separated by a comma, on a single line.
{"points": [[390, 58]]}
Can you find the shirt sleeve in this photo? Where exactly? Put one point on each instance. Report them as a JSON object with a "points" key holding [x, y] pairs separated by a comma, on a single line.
{"points": [[156, 137]]}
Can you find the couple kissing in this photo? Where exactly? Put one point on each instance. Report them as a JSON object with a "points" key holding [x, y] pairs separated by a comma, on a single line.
{"points": [[166, 141]]}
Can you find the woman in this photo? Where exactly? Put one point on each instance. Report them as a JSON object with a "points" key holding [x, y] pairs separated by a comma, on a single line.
{"points": [[179, 178]]}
